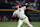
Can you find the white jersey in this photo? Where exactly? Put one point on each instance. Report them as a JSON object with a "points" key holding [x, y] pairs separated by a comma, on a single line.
{"points": [[20, 13]]}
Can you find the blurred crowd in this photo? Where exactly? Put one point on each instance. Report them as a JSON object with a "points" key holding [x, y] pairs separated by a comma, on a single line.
{"points": [[9, 4], [3, 18], [6, 18]]}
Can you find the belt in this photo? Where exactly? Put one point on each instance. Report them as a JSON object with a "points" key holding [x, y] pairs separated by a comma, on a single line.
{"points": [[24, 18]]}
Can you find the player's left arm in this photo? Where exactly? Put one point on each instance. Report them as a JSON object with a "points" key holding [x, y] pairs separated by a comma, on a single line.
{"points": [[14, 15]]}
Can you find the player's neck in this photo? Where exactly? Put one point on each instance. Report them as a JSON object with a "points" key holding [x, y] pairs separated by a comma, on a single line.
{"points": [[18, 8]]}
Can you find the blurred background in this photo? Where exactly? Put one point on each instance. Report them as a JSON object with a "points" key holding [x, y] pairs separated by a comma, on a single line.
{"points": [[9, 4]]}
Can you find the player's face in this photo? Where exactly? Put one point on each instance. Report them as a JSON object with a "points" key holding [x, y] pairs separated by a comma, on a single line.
{"points": [[17, 6]]}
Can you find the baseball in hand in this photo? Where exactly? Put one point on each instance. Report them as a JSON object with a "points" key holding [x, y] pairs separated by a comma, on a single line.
{"points": [[26, 4]]}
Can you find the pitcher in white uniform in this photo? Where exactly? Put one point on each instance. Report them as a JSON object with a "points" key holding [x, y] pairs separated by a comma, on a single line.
{"points": [[22, 17]]}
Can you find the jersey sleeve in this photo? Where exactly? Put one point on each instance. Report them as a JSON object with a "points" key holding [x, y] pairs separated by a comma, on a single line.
{"points": [[24, 7], [14, 14]]}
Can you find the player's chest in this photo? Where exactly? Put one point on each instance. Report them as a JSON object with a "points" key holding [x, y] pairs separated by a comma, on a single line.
{"points": [[20, 11]]}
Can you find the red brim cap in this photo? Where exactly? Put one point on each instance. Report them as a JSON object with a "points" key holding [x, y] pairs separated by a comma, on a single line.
{"points": [[16, 4]]}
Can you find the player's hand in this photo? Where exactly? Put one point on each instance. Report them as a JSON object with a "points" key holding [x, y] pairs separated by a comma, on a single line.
{"points": [[26, 4], [13, 17]]}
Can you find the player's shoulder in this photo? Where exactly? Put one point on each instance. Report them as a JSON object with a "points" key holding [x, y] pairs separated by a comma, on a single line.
{"points": [[16, 11], [23, 6]]}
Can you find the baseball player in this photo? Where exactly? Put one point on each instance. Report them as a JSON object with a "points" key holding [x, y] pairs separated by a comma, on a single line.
{"points": [[22, 17]]}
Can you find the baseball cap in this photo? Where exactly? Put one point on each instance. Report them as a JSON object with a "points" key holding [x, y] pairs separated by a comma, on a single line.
{"points": [[16, 4]]}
